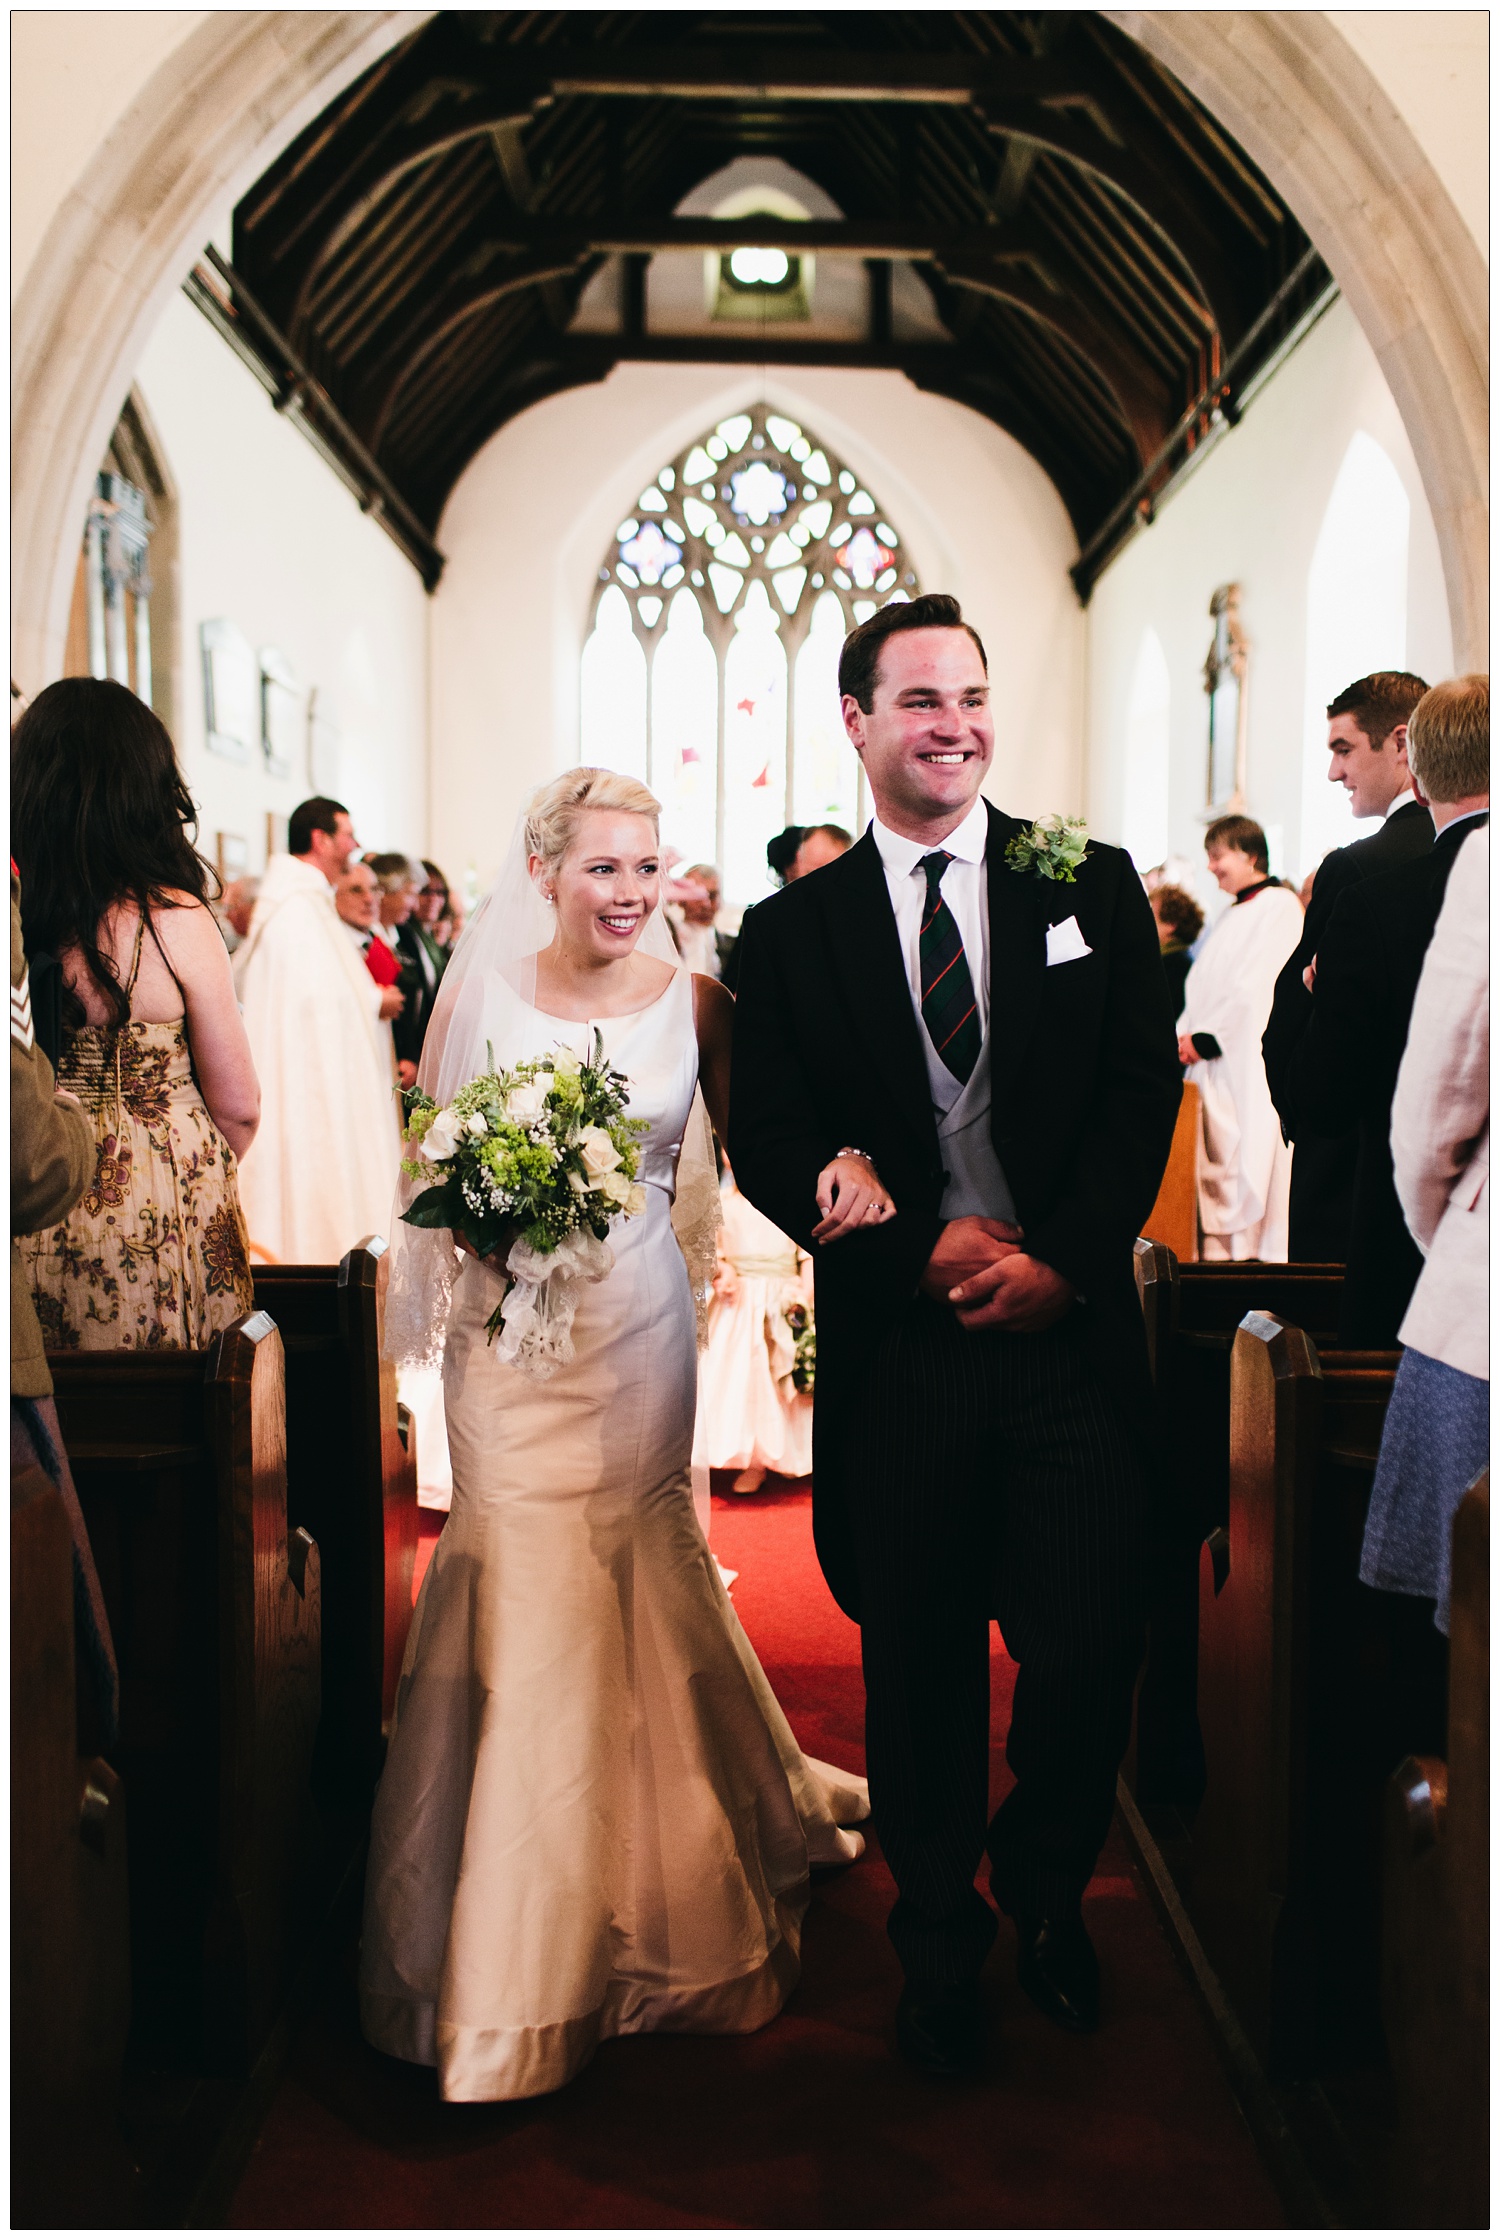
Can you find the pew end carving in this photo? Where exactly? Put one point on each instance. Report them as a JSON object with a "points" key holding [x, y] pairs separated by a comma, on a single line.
{"points": [[180, 1463], [70, 1941], [352, 1483], [1435, 1973]]}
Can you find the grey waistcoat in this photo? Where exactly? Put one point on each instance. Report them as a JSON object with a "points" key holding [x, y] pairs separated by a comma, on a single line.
{"points": [[976, 1179]]}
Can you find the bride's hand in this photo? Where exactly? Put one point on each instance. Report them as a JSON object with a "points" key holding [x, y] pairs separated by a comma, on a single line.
{"points": [[495, 1259], [850, 1196]]}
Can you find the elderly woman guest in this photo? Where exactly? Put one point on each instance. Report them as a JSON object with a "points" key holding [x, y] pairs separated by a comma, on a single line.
{"points": [[1437, 1427], [153, 1045], [401, 880]]}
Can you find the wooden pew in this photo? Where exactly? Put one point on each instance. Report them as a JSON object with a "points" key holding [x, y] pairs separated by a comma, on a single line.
{"points": [[352, 1482], [1436, 1923], [1296, 1707], [1173, 1220], [180, 1463], [70, 1937], [1191, 1317]]}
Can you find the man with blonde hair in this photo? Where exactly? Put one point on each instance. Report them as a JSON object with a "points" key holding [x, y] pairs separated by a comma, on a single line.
{"points": [[1363, 983]]}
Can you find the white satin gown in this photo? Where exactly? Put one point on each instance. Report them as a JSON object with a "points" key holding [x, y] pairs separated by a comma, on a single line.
{"points": [[594, 1819]]}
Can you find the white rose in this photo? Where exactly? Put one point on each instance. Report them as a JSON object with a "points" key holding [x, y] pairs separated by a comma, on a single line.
{"points": [[635, 1204], [524, 1102], [576, 1182], [599, 1154], [567, 1063], [542, 1081], [613, 1186], [441, 1139], [477, 1124]]}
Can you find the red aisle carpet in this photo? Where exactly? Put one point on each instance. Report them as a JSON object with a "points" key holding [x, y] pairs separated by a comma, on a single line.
{"points": [[812, 2122]]}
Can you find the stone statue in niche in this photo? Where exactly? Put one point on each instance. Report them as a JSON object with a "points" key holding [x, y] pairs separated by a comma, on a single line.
{"points": [[1225, 675]]}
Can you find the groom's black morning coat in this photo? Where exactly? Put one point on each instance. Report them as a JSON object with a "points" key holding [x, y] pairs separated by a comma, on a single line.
{"points": [[1086, 1087]]}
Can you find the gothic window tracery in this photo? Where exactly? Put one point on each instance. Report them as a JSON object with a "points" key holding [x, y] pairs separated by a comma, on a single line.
{"points": [[711, 669]]}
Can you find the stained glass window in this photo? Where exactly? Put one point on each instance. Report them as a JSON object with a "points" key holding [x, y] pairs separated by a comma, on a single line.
{"points": [[613, 694], [721, 609]]}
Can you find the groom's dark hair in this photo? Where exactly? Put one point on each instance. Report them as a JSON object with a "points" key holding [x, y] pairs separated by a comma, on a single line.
{"points": [[859, 663]]}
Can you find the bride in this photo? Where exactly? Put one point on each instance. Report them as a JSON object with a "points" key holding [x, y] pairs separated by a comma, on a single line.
{"points": [[594, 1819]]}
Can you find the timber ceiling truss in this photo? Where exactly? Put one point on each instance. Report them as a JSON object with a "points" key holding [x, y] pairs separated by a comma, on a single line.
{"points": [[1107, 267]]}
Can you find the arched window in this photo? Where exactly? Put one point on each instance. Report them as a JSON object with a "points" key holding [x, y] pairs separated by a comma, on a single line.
{"points": [[1148, 743], [1356, 621], [711, 668]]}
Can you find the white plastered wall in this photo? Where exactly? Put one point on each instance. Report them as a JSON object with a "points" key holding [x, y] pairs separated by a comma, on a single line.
{"points": [[269, 539], [1250, 514], [531, 519]]}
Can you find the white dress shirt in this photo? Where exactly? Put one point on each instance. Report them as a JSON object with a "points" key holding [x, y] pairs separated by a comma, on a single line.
{"points": [[1403, 800], [964, 889]]}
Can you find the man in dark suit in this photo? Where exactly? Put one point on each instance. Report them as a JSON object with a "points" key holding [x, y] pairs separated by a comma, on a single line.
{"points": [[1361, 987], [1367, 744], [968, 1069]]}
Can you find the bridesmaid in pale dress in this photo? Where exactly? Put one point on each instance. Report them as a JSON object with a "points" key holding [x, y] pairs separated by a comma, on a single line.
{"points": [[152, 1043], [751, 1416]]}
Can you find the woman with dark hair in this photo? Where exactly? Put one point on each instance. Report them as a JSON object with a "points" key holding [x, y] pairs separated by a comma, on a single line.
{"points": [[152, 1042], [1179, 921]]}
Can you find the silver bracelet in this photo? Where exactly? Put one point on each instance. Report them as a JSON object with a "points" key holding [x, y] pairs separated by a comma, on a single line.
{"points": [[852, 1151]]}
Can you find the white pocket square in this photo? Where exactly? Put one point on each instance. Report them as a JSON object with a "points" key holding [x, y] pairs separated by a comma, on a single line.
{"points": [[1065, 943]]}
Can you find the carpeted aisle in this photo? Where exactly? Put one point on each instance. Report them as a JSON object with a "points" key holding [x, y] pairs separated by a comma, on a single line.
{"points": [[812, 2122]]}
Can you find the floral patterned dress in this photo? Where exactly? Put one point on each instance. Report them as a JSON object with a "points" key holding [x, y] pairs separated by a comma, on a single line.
{"points": [[155, 1252]]}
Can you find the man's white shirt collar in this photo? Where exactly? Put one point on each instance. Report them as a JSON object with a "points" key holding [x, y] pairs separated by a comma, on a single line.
{"points": [[966, 843], [1403, 800]]}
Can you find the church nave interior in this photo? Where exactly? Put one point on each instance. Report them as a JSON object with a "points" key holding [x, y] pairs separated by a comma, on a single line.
{"points": [[411, 406]]}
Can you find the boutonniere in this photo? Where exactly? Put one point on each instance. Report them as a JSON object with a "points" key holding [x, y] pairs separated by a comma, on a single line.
{"points": [[1052, 849]]}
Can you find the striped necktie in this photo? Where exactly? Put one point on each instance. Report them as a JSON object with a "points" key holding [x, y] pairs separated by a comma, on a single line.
{"points": [[948, 1006]]}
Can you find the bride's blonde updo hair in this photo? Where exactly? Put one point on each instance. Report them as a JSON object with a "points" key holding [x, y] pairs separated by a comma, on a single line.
{"points": [[554, 815]]}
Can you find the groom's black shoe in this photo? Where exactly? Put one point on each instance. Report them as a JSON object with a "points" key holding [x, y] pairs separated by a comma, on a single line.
{"points": [[940, 2027], [1058, 1968]]}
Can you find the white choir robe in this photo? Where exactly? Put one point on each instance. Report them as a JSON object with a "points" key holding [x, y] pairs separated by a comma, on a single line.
{"points": [[323, 1168], [1244, 1167]]}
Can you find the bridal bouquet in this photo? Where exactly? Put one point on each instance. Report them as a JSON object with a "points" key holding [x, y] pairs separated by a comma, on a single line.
{"points": [[541, 1158]]}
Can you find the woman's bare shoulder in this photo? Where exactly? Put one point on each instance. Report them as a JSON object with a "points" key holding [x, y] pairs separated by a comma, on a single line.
{"points": [[186, 930]]}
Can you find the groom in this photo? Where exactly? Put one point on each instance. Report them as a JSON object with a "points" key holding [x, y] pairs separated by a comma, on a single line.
{"points": [[998, 1048]]}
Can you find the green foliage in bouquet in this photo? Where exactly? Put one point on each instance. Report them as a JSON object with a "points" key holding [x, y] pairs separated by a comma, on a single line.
{"points": [[1052, 849], [536, 1152], [805, 1346]]}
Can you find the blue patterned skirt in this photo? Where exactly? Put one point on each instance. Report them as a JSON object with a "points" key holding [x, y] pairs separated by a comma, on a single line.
{"points": [[1436, 1442]]}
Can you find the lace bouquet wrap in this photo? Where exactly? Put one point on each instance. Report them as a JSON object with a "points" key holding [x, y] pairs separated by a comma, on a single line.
{"points": [[539, 1162]]}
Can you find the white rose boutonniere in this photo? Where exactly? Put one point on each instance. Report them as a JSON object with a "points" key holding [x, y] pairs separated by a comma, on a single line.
{"points": [[1052, 849]]}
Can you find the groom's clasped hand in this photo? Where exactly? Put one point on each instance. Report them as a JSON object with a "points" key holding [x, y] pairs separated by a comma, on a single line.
{"points": [[977, 1265]]}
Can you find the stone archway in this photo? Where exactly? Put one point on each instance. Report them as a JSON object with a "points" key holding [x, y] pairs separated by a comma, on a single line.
{"points": [[1304, 107], [207, 123], [1286, 84]]}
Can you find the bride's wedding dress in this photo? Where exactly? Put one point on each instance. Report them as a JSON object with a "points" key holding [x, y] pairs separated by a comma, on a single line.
{"points": [[594, 1819]]}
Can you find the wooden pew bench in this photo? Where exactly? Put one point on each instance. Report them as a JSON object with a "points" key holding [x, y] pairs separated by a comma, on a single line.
{"points": [[70, 1935], [352, 1482], [1436, 1923], [1298, 1695], [1192, 1314], [180, 1463]]}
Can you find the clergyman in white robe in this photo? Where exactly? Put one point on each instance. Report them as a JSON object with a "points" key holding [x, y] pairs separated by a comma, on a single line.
{"points": [[322, 1171], [1244, 1167]]}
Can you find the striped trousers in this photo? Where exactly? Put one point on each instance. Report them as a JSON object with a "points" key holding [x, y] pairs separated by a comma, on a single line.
{"points": [[990, 1476]]}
